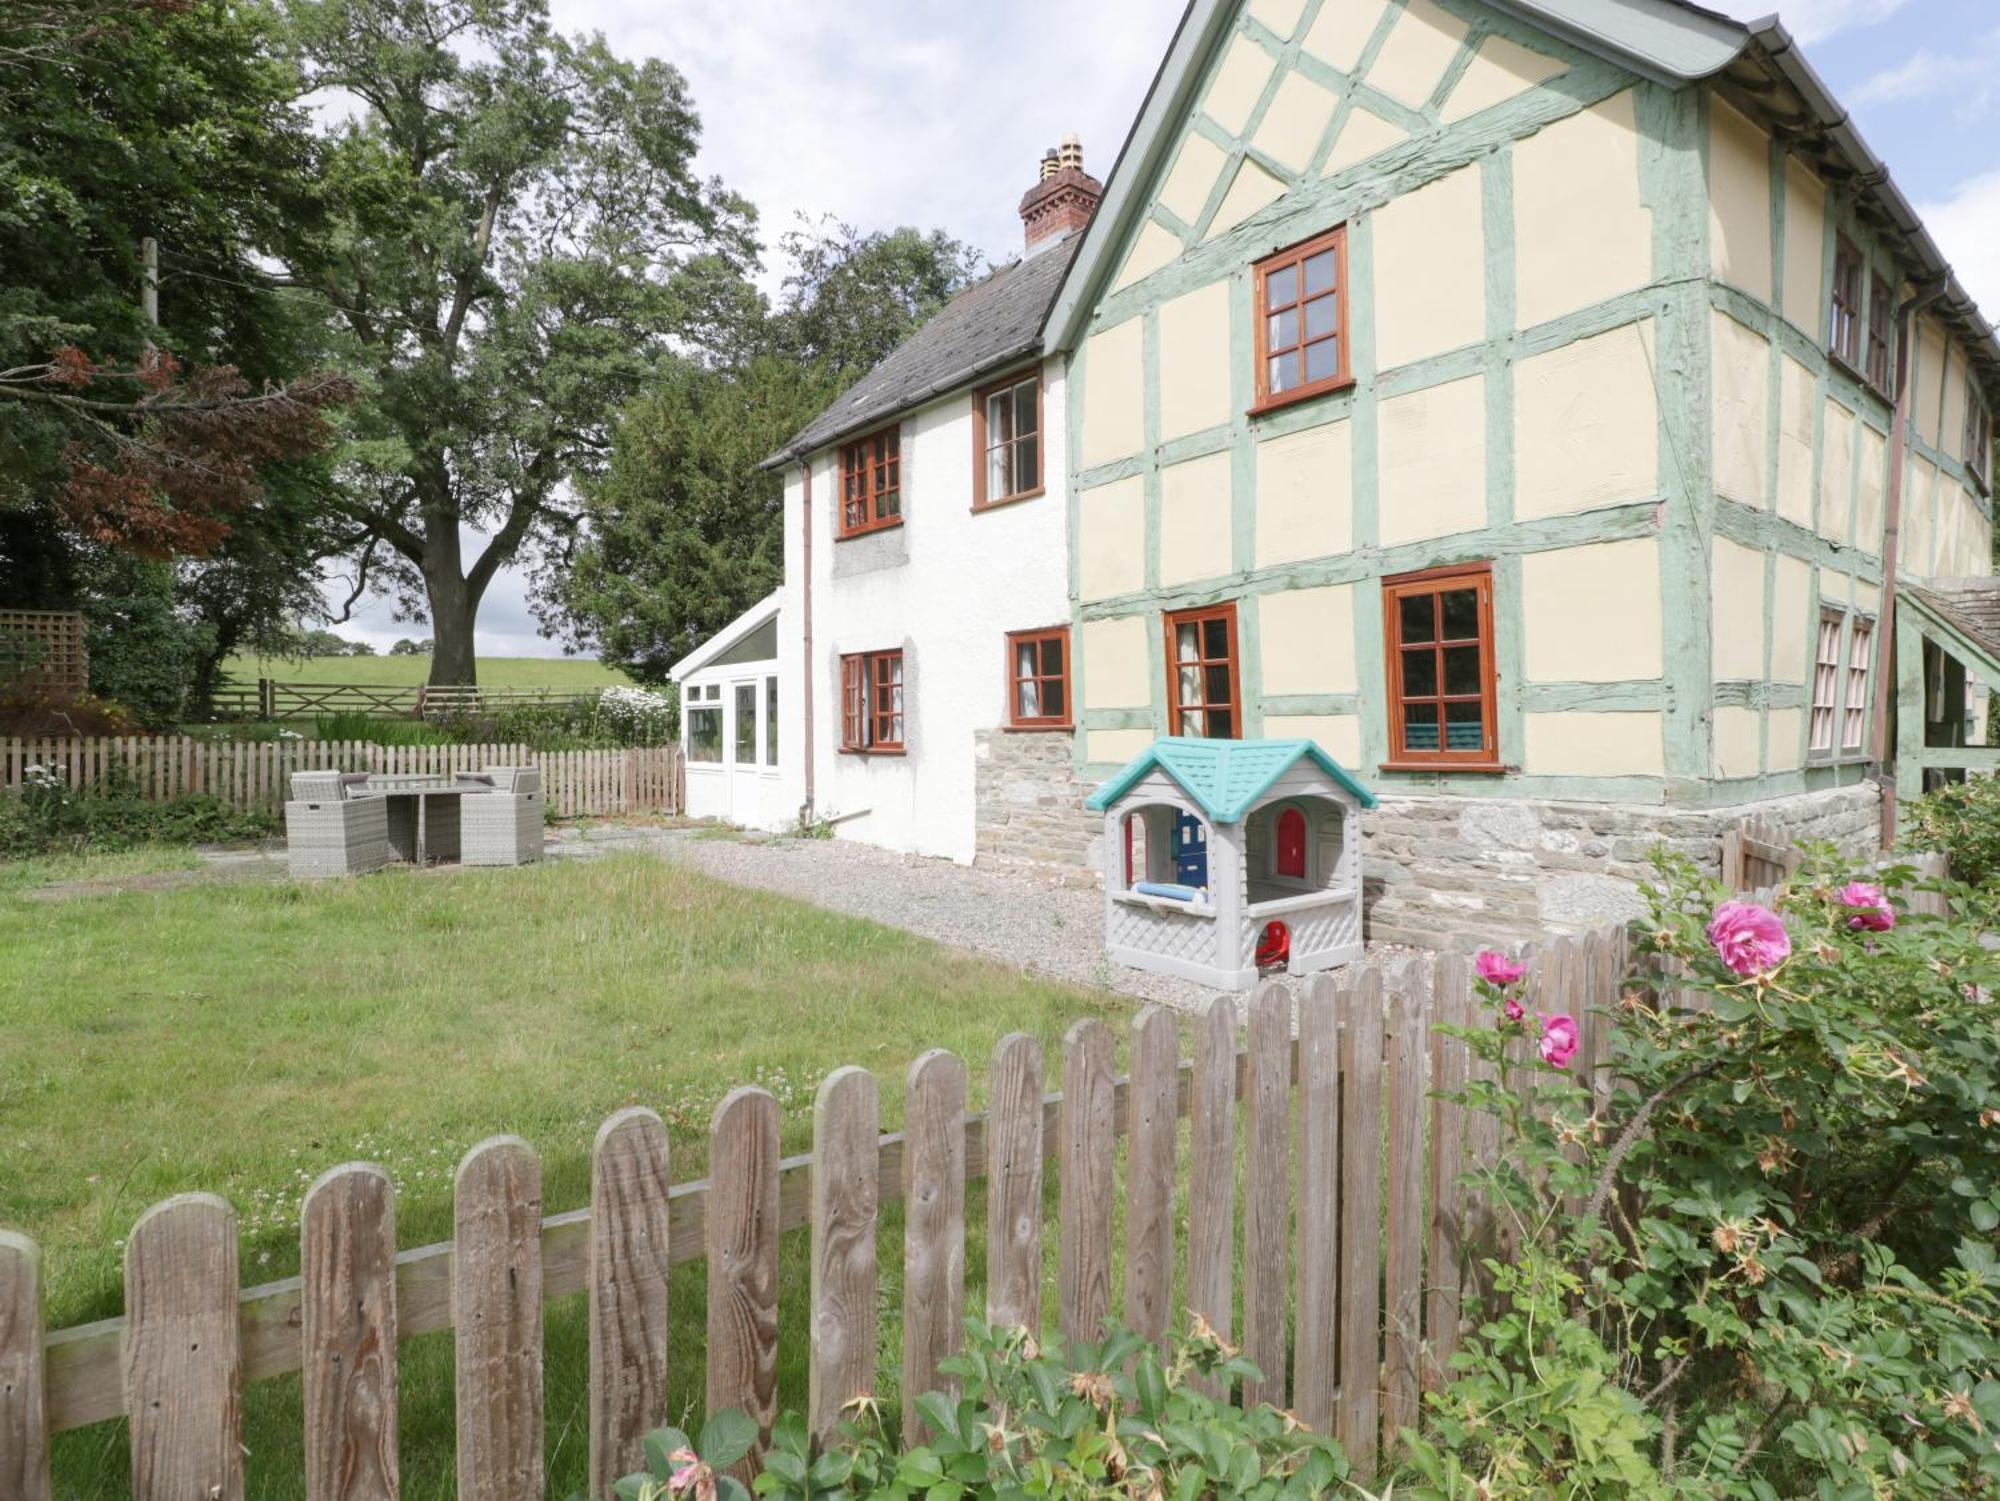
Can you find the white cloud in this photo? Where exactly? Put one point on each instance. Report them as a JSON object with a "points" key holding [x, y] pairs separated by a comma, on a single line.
{"points": [[1961, 82], [1966, 226], [1815, 20]]}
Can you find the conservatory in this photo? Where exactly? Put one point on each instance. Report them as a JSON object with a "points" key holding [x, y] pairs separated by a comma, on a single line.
{"points": [[729, 721], [1227, 858]]}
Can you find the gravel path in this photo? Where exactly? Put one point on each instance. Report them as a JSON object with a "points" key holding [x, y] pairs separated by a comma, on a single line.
{"points": [[1047, 926]]}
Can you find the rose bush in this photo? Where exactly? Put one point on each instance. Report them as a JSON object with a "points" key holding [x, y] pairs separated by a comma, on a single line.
{"points": [[1764, 1264]]}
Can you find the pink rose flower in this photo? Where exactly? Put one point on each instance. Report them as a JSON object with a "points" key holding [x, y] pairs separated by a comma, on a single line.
{"points": [[1497, 969], [1513, 1009], [1874, 914], [1748, 938], [1560, 1038]]}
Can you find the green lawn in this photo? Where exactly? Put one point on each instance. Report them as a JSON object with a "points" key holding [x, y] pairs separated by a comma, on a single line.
{"points": [[242, 1037], [494, 672]]}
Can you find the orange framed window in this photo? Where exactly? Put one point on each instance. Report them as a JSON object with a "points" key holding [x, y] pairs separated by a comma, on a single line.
{"points": [[1038, 696], [1881, 324], [1860, 658], [1301, 323], [1844, 314], [871, 483], [871, 702], [1438, 627], [1204, 696], [1007, 440], [1825, 685]]}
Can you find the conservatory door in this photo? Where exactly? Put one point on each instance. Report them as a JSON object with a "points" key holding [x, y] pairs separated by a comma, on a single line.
{"points": [[745, 746]]}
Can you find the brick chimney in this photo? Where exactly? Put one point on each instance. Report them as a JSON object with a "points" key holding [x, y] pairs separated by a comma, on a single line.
{"points": [[1061, 202]]}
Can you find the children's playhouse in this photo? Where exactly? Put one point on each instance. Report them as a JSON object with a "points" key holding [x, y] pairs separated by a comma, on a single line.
{"points": [[1226, 856]]}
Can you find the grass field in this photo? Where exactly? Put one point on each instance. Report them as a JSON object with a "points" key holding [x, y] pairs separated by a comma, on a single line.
{"points": [[242, 1037], [494, 672]]}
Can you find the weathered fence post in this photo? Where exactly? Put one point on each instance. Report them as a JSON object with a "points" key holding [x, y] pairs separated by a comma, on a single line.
{"points": [[628, 1293], [1211, 1250], [1361, 1223], [1014, 1185], [1316, 1305], [347, 1307], [182, 1360], [24, 1414], [1267, 1198], [496, 1297], [1451, 1059], [1403, 1274], [742, 1228], [933, 1228], [1152, 1111], [1085, 1189], [846, 1189]]}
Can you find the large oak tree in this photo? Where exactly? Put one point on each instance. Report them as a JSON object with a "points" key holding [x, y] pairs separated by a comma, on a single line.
{"points": [[512, 212]]}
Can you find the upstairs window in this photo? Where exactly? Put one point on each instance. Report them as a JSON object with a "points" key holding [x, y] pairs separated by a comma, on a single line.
{"points": [[1438, 626], [1844, 333], [1881, 325], [1978, 433], [1038, 679], [1825, 685], [871, 483], [1203, 697], [1860, 657], [1007, 441], [871, 702], [1302, 321]]}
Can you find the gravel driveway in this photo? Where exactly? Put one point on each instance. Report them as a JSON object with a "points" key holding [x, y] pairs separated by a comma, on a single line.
{"points": [[1043, 925]]}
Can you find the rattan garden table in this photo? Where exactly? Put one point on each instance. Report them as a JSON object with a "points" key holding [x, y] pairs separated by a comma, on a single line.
{"points": [[410, 800]]}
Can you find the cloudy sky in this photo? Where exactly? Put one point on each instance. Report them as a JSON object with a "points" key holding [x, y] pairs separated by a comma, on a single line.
{"points": [[887, 112]]}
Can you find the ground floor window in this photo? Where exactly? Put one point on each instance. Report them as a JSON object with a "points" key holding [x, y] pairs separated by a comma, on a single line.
{"points": [[704, 722], [871, 701], [1860, 657], [1038, 679], [1203, 697], [1826, 683], [770, 721], [1438, 627]]}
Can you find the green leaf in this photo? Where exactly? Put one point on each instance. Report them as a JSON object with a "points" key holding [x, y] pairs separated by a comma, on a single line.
{"points": [[726, 1438], [660, 1445]]}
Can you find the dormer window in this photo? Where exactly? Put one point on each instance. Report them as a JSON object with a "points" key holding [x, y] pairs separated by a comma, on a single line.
{"points": [[1007, 440], [871, 483]]}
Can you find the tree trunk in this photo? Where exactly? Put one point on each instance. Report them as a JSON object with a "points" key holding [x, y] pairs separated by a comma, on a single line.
{"points": [[454, 662]]}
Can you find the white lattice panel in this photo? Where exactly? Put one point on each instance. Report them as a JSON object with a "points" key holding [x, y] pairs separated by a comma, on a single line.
{"points": [[1168, 934]]}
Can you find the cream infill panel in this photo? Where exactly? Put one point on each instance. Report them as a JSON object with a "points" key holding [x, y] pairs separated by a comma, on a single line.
{"points": [[1586, 425], [1111, 538], [1117, 671], [1582, 229], [1114, 394], [1306, 639], [1195, 509], [1194, 360], [1430, 270], [1433, 461], [1305, 494], [1593, 614]]}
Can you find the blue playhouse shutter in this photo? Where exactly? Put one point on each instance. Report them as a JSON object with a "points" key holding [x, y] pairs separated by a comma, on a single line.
{"points": [[1190, 850]]}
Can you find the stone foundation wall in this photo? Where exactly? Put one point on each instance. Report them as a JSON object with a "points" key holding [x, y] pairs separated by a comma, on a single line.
{"points": [[1028, 804], [1447, 872]]}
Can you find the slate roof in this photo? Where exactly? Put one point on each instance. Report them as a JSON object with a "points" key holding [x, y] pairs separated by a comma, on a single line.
{"points": [[1224, 777], [988, 325], [1970, 606]]}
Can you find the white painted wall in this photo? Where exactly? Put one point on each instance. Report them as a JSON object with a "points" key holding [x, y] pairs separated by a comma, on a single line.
{"points": [[966, 579]]}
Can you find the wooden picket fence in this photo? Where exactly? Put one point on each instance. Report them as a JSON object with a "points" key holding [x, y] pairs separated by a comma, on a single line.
{"points": [[256, 775], [1364, 1267]]}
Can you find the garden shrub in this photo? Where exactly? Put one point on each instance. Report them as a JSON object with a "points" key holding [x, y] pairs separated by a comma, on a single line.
{"points": [[49, 817], [1962, 819], [1110, 1419], [1766, 1266]]}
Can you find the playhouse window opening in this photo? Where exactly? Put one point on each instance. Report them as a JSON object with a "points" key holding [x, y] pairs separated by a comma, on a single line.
{"points": [[1202, 682]]}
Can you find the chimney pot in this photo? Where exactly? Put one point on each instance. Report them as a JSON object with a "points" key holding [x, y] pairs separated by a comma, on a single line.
{"points": [[1063, 197]]}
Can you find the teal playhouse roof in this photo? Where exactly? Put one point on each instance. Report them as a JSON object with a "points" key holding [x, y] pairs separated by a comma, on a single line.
{"points": [[1225, 777]]}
